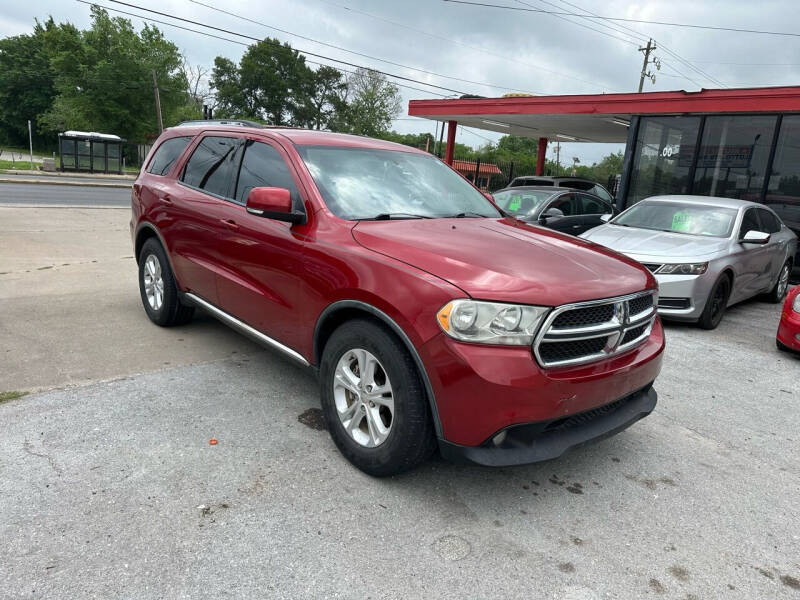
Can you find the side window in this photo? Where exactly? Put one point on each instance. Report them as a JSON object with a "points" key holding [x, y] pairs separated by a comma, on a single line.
{"points": [[749, 222], [212, 165], [263, 166], [769, 221], [594, 206], [166, 155], [599, 190], [567, 204]]}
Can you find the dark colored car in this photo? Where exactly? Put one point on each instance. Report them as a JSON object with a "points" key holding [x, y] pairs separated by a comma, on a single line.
{"points": [[561, 209], [573, 183], [430, 317]]}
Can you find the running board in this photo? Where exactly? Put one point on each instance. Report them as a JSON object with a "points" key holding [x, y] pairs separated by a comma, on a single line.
{"points": [[245, 328]]}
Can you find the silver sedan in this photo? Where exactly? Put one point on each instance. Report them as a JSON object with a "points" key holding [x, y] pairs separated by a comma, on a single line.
{"points": [[706, 253]]}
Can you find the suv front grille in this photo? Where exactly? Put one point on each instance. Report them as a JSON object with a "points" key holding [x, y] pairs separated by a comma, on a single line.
{"points": [[590, 331]]}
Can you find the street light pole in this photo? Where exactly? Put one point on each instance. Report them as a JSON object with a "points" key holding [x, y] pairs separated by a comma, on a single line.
{"points": [[30, 142], [158, 103]]}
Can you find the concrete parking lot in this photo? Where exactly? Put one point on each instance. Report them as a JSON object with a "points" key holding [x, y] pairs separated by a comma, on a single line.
{"points": [[110, 487]]}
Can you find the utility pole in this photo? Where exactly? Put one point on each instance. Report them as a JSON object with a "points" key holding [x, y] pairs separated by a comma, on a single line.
{"points": [[651, 46], [30, 142], [158, 103]]}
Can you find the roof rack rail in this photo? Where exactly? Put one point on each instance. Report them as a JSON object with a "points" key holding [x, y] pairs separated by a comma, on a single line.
{"points": [[234, 122]]}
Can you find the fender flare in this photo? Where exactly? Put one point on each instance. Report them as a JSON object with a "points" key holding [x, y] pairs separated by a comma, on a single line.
{"points": [[154, 229], [388, 321]]}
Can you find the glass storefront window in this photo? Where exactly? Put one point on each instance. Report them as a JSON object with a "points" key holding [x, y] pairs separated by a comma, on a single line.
{"points": [[663, 156], [783, 188], [734, 152]]}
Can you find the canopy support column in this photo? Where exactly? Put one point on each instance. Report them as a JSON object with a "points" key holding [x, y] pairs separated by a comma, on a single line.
{"points": [[451, 141], [540, 156]]}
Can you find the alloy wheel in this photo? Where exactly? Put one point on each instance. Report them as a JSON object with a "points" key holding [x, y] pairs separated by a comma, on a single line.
{"points": [[364, 397], [783, 281], [153, 282]]}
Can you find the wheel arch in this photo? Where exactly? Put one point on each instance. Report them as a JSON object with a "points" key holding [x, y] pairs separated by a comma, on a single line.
{"points": [[344, 310], [145, 231]]}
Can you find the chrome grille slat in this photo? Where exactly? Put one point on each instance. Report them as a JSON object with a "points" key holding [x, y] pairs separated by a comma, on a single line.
{"points": [[569, 340]]}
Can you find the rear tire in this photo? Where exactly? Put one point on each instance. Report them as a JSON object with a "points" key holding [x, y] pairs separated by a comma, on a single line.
{"points": [[374, 400], [158, 288], [778, 292], [716, 304]]}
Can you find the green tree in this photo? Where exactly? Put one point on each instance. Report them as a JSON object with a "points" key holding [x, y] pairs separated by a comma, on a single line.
{"points": [[271, 83], [324, 99], [371, 103], [27, 86], [104, 78]]}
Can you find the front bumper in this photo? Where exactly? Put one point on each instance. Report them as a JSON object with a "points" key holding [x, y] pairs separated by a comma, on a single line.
{"points": [[683, 297], [789, 329], [536, 442], [481, 390]]}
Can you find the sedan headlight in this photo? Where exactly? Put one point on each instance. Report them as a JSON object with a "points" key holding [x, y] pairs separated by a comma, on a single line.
{"points": [[683, 269], [491, 322]]}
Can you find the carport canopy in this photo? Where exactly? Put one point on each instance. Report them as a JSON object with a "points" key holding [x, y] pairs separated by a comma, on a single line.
{"points": [[595, 117]]}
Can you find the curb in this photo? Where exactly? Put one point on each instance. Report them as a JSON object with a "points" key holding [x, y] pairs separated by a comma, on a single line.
{"points": [[73, 183]]}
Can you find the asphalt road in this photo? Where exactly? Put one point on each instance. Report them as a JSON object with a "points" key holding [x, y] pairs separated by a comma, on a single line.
{"points": [[21, 194], [111, 488]]}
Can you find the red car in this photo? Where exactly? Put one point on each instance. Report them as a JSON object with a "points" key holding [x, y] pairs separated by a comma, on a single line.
{"points": [[789, 329], [431, 318]]}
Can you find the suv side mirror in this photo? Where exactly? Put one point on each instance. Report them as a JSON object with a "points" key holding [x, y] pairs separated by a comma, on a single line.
{"points": [[606, 217], [273, 203], [755, 237]]}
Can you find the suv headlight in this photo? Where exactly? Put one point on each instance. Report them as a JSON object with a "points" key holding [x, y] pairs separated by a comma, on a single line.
{"points": [[491, 322], [683, 269]]}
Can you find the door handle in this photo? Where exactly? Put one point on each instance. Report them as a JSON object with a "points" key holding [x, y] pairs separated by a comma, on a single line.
{"points": [[230, 224], [167, 199]]}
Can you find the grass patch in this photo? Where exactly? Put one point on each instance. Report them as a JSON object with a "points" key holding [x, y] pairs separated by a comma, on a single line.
{"points": [[19, 165], [5, 396]]}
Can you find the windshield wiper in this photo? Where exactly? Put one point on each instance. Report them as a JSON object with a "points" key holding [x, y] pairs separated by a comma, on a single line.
{"points": [[398, 215], [463, 215]]}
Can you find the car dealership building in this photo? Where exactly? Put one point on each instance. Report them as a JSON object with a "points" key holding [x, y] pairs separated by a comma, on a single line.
{"points": [[735, 143]]}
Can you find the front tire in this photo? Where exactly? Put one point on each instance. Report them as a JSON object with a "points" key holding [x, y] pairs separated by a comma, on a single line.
{"points": [[716, 304], [158, 288], [374, 401], [778, 293]]}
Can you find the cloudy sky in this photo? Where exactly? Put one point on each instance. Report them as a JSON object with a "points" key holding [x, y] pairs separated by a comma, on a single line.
{"points": [[488, 51]]}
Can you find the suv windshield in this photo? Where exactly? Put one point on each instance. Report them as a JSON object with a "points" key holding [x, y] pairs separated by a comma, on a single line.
{"points": [[365, 183], [521, 202], [677, 217]]}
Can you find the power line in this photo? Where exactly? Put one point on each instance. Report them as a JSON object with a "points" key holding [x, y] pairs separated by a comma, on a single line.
{"points": [[668, 23], [218, 37], [303, 37], [459, 43], [317, 55]]}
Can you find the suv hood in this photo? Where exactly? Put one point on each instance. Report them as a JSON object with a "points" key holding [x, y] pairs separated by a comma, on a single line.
{"points": [[656, 244], [506, 260]]}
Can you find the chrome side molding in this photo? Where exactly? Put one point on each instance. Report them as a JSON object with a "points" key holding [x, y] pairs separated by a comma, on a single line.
{"points": [[244, 328]]}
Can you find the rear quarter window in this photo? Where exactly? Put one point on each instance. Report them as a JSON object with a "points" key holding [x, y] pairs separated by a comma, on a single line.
{"points": [[166, 155]]}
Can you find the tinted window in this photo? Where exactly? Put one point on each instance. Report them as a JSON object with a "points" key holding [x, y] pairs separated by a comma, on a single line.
{"points": [[733, 156], [768, 221], [749, 222], [212, 165], [166, 155], [578, 185], [677, 217], [594, 206], [783, 187], [263, 166], [567, 204], [662, 156], [599, 190]]}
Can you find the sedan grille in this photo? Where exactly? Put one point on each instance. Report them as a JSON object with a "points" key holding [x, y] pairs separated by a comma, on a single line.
{"points": [[590, 331]]}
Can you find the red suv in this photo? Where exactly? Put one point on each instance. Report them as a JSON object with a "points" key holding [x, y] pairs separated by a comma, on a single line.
{"points": [[430, 316]]}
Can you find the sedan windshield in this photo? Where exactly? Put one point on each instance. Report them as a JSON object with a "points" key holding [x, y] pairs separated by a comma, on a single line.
{"points": [[364, 183], [678, 217], [521, 202]]}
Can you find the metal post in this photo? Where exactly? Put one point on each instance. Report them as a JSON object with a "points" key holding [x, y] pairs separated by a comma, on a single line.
{"points": [[511, 172], [158, 103], [441, 137], [30, 142], [451, 142], [540, 156], [477, 172]]}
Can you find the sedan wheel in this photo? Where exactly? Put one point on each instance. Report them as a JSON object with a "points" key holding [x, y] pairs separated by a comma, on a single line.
{"points": [[778, 293]]}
